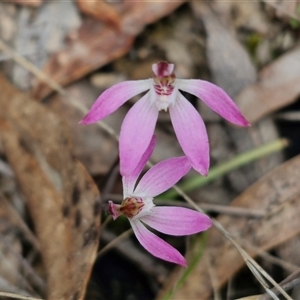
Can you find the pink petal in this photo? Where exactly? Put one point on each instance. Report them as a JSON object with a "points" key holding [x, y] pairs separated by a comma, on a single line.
{"points": [[155, 245], [130, 180], [114, 210], [177, 220], [191, 133], [214, 97], [111, 99], [136, 133], [163, 176]]}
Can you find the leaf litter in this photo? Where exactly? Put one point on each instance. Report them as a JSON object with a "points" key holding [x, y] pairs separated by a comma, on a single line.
{"points": [[41, 144], [61, 197]]}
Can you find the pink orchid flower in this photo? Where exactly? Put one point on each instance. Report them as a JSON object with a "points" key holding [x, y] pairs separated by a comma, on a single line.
{"points": [[163, 94], [138, 206]]}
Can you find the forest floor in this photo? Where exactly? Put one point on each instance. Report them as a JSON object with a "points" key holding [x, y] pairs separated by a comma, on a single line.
{"points": [[57, 239]]}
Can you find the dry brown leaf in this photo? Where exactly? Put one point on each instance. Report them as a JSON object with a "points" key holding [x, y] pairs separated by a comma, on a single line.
{"points": [[102, 11], [228, 60], [232, 69], [278, 193], [95, 45], [277, 87], [95, 149], [10, 248], [285, 9], [61, 197]]}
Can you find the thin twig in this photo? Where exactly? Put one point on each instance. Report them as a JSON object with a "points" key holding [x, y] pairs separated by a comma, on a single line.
{"points": [[117, 240], [27, 276], [52, 83], [139, 257], [17, 220], [220, 208], [292, 276], [289, 282], [213, 279], [287, 286], [111, 179], [277, 261], [17, 296], [217, 208], [104, 224]]}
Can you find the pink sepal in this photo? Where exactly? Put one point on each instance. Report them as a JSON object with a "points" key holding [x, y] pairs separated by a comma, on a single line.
{"points": [[129, 181], [114, 210], [191, 134], [163, 176], [215, 98], [136, 133], [111, 99], [155, 245], [177, 220]]}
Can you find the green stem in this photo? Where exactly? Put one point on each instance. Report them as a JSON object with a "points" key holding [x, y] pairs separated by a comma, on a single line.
{"points": [[223, 168], [199, 245]]}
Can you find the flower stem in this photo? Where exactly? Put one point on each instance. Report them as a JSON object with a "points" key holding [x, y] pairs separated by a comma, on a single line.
{"points": [[199, 245], [227, 166]]}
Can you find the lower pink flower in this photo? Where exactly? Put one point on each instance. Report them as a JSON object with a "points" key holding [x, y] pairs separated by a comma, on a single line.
{"points": [[138, 206]]}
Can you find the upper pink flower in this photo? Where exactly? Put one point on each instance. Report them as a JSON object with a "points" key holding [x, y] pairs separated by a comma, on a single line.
{"points": [[163, 94], [138, 206]]}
